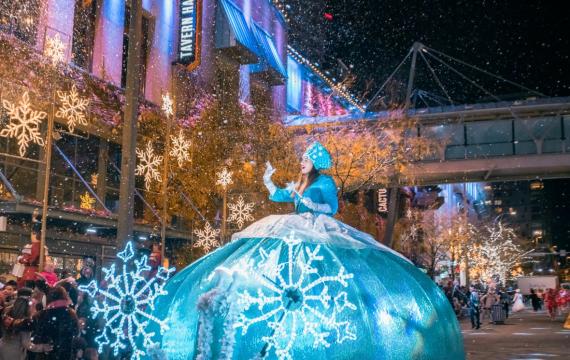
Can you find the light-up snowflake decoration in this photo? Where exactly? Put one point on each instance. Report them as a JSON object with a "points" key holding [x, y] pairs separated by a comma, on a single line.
{"points": [[240, 212], [294, 300], [148, 165], [87, 201], [207, 237], [72, 108], [224, 178], [180, 148], [129, 299], [24, 123], [55, 49], [167, 105]]}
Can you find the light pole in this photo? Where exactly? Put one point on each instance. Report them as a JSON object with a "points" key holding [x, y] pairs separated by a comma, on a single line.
{"points": [[168, 108], [129, 140]]}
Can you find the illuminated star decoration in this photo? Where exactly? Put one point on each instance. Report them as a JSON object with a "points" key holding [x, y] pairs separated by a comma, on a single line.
{"points": [[55, 49], [127, 305], [240, 212], [167, 105], [148, 165], [24, 123], [72, 108], [293, 300], [207, 238], [224, 178], [180, 148], [87, 201]]}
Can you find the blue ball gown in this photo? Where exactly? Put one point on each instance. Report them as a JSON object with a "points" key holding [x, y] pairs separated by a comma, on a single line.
{"points": [[306, 286]]}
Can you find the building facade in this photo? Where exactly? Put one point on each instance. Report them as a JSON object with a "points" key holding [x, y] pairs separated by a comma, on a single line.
{"points": [[231, 50]]}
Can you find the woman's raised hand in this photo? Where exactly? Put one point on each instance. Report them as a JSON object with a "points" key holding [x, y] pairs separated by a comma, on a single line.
{"points": [[269, 171]]}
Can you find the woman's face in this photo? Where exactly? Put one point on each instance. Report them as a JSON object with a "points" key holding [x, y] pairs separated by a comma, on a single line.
{"points": [[306, 165]]}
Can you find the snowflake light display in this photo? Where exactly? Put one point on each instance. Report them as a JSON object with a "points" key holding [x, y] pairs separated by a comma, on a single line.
{"points": [[167, 105], [55, 49], [24, 123], [87, 201], [72, 108], [224, 178], [240, 212], [148, 166], [180, 148], [207, 238], [299, 303], [128, 302]]}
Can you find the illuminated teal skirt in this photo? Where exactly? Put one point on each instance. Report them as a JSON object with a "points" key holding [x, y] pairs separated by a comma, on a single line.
{"points": [[306, 287]]}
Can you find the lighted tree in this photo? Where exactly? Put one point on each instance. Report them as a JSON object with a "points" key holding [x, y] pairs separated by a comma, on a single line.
{"points": [[495, 252]]}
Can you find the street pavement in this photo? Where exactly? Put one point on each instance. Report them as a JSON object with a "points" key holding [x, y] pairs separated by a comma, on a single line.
{"points": [[524, 336]]}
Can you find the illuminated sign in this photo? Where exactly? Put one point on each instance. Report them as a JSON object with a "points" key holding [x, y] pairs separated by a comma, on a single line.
{"points": [[190, 33], [382, 201]]}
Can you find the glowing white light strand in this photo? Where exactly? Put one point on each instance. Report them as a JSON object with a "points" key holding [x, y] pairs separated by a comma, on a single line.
{"points": [[180, 148], [240, 212], [224, 178], [148, 166], [167, 105], [24, 123], [72, 108], [299, 296], [129, 299], [55, 49], [207, 238]]}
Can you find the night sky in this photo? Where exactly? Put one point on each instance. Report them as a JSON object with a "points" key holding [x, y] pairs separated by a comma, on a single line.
{"points": [[524, 41]]}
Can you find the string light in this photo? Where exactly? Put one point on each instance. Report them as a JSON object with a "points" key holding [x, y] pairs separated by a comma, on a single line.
{"points": [[240, 212], [339, 89], [24, 123], [293, 299], [72, 108], [224, 178], [127, 305], [148, 166]]}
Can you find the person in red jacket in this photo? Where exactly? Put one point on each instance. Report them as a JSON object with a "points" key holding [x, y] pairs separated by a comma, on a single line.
{"points": [[30, 257]]}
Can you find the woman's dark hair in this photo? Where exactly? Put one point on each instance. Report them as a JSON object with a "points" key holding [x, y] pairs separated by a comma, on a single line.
{"points": [[312, 176], [57, 293], [20, 309]]}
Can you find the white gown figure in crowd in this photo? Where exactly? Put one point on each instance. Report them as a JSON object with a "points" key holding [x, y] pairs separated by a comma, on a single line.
{"points": [[306, 286], [518, 304]]}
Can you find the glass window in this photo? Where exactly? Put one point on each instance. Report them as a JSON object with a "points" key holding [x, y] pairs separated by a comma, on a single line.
{"points": [[144, 50], [84, 33]]}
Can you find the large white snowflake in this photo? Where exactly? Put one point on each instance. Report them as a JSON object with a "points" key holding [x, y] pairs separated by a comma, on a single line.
{"points": [[240, 212], [24, 123], [207, 237], [293, 300], [148, 165], [127, 303], [72, 108], [55, 49], [180, 148], [224, 178]]}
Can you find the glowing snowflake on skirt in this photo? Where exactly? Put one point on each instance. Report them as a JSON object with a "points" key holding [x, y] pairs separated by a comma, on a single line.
{"points": [[127, 305], [293, 300]]}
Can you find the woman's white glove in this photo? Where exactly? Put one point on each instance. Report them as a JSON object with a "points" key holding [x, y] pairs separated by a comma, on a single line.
{"points": [[322, 208], [269, 170]]}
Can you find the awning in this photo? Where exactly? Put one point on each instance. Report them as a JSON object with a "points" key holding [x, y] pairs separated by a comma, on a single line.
{"points": [[235, 30], [269, 53]]}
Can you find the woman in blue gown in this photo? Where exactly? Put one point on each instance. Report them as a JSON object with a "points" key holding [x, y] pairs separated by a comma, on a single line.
{"points": [[306, 286]]}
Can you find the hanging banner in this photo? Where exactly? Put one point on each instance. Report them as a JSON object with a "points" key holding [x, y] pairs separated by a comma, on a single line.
{"points": [[190, 30], [382, 201]]}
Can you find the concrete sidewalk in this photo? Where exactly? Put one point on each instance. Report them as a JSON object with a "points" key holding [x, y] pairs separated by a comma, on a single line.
{"points": [[527, 335]]}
